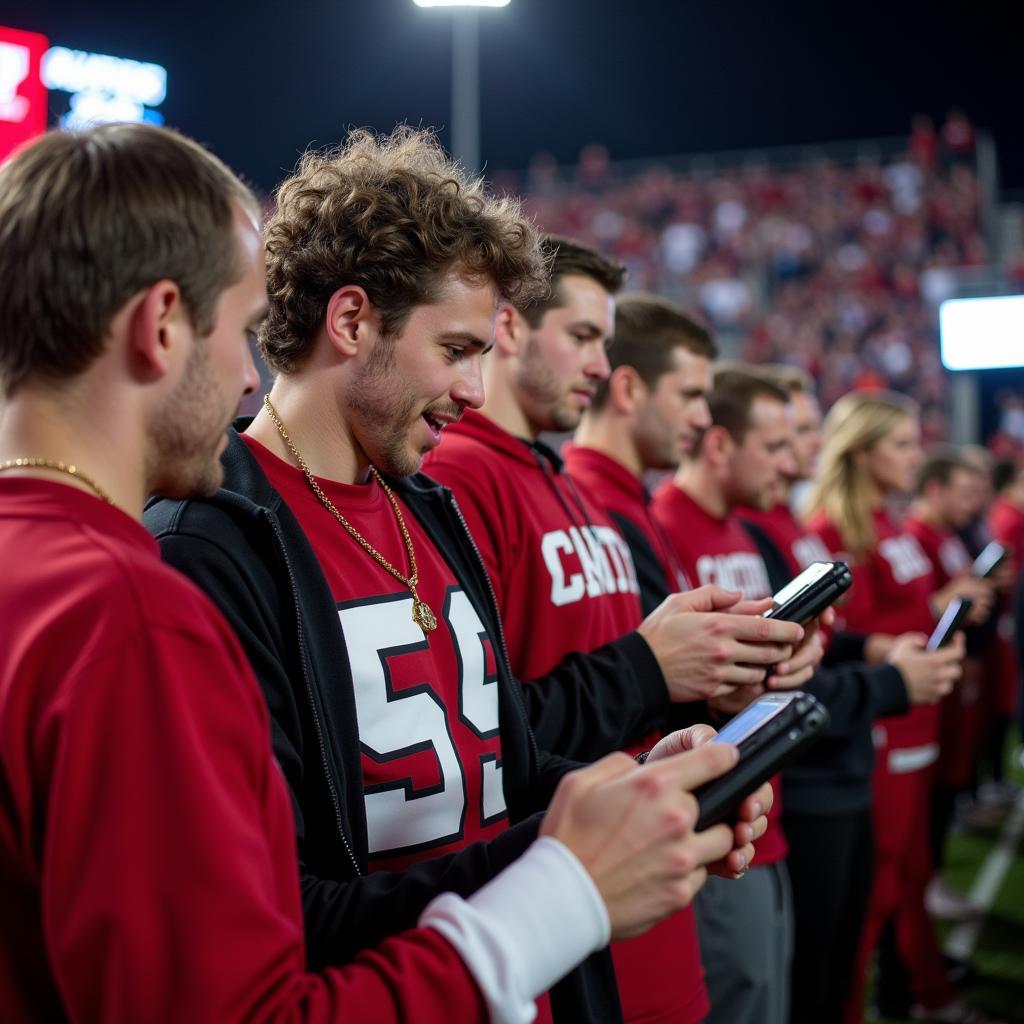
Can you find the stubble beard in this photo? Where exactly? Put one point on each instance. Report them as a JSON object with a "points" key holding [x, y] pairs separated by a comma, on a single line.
{"points": [[546, 394], [384, 414], [183, 460]]}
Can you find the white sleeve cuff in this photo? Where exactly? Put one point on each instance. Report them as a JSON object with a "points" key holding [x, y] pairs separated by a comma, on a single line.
{"points": [[525, 929]]}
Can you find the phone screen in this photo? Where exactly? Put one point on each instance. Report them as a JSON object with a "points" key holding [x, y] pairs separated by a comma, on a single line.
{"points": [[942, 628], [745, 723], [989, 558], [811, 574]]}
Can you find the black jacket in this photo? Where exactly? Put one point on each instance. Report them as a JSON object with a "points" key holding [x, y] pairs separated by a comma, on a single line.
{"points": [[834, 776], [245, 548]]}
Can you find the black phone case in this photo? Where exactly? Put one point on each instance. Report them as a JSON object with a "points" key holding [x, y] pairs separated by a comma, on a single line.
{"points": [[778, 743], [810, 603]]}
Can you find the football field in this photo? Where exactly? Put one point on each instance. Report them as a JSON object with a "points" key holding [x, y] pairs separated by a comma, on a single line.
{"points": [[988, 864]]}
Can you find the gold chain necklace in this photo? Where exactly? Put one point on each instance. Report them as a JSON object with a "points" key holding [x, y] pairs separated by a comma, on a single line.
{"points": [[60, 467], [421, 613]]}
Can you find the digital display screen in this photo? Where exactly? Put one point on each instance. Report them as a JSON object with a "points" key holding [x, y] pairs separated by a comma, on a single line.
{"points": [[982, 334], [811, 574], [749, 720]]}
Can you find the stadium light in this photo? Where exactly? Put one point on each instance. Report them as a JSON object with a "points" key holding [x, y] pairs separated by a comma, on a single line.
{"points": [[465, 77], [462, 3]]}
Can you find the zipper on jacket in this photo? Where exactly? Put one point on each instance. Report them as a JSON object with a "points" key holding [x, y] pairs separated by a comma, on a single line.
{"points": [[498, 623], [309, 696]]}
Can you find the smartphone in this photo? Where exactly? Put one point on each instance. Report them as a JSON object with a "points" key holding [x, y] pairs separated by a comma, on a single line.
{"points": [[770, 733], [952, 619], [807, 595], [993, 555]]}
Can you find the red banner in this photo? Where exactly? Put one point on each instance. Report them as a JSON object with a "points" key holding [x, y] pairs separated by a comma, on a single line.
{"points": [[23, 103]]}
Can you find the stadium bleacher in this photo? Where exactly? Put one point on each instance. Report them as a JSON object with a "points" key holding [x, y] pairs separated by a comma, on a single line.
{"points": [[831, 260]]}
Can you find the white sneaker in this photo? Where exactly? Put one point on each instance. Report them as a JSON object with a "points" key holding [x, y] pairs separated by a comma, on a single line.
{"points": [[956, 1012], [997, 794], [979, 817], [946, 903]]}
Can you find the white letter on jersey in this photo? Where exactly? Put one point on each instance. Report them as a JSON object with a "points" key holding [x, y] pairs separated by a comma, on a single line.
{"points": [[620, 557], [595, 565], [905, 557], [391, 725], [562, 591], [478, 695]]}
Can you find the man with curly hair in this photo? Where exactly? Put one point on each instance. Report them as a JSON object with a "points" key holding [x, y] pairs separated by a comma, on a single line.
{"points": [[146, 847], [360, 596]]}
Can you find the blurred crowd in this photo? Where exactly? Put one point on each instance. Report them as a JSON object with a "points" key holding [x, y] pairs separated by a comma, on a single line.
{"points": [[832, 267]]}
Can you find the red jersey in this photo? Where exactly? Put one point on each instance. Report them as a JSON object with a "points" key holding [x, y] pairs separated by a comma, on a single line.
{"points": [[709, 548], [958, 715], [892, 583], [147, 846], [945, 550], [719, 550], [428, 710], [799, 545], [622, 493], [563, 575], [891, 589], [1006, 521], [565, 581]]}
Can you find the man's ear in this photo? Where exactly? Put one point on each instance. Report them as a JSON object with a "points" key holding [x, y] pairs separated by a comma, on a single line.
{"points": [[351, 323], [510, 331], [160, 331], [626, 390], [717, 445]]}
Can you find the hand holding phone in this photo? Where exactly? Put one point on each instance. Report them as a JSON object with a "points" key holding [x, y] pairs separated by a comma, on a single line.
{"points": [[927, 675], [809, 593], [770, 733]]}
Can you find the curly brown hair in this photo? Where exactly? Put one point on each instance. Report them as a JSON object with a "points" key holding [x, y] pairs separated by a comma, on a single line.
{"points": [[394, 215]]}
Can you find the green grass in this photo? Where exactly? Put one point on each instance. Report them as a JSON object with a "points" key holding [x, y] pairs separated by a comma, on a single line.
{"points": [[999, 954]]}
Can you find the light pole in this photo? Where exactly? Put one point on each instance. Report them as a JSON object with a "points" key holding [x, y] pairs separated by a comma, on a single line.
{"points": [[465, 126]]}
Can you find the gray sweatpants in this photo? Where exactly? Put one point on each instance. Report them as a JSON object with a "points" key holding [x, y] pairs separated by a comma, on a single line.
{"points": [[746, 945]]}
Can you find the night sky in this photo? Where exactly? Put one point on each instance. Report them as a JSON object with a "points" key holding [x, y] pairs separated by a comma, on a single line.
{"points": [[258, 82]]}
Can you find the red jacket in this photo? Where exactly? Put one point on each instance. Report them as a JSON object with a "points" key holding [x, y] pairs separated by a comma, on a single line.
{"points": [[147, 849]]}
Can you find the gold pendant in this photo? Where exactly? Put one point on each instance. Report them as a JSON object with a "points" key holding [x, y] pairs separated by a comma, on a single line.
{"points": [[423, 616]]}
